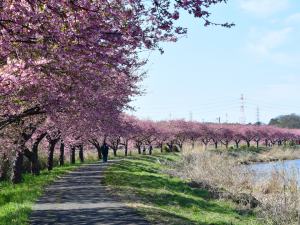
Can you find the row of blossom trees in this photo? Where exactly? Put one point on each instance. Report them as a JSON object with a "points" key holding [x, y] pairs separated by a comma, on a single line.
{"points": [[177, 132], [68, 69], [130, 132]]}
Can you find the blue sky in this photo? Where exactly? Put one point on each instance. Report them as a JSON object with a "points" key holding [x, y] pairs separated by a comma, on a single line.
{"points": [[206, 73]]}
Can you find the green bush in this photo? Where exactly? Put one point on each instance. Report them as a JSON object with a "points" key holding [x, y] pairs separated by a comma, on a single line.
{"points": [[175, 148], [6, 168], [166, 148], [244, 146], [230, 147]]}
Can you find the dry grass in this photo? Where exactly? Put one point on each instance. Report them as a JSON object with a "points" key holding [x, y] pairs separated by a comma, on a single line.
{"points": [[276, 186], [253, 155]]}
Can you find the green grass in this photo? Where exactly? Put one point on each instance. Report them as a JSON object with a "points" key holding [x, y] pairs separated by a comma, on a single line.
{"points": [[16, 201], [162, 199]]}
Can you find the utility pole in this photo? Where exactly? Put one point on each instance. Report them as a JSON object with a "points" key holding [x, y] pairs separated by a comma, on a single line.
{"points": [[242, 112], [257, 115]]}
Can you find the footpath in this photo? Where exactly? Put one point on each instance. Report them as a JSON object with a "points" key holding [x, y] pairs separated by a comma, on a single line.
{"points": [[80, 198]]}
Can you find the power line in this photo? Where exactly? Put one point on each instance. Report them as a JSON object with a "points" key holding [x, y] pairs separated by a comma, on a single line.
{"points": [[267, 106], [200, 112], [197, 109], [193, 105], [271, 103]]}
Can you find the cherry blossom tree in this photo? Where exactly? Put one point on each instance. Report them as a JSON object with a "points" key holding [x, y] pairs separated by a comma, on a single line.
{"points": [[249, 133], [226, 134], [74, 61]]}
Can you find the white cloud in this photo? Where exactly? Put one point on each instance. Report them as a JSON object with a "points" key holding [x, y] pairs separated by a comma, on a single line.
{"points": [[268, 41], [295, 18], [265, 46], [263, 7]]}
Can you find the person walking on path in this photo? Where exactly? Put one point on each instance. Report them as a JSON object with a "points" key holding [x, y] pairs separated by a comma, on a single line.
{"points": [[144, 150], [104, 150], [150, 149]]}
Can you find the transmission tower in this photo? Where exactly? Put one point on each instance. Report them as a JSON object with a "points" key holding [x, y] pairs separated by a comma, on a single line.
{"points": [[257, 115], [242, 112]]}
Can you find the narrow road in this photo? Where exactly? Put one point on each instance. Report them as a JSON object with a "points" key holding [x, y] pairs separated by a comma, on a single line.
{"points": [[79, 198]]}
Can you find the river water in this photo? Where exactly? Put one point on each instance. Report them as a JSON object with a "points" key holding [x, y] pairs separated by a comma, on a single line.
{"points": [[269, 166], [285, 170]]}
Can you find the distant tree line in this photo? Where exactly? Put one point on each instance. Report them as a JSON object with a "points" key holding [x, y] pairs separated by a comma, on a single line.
{"points": [[291, 121]]}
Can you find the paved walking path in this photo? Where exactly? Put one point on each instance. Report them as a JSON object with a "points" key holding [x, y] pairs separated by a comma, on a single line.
{"points": [[79, 198]]}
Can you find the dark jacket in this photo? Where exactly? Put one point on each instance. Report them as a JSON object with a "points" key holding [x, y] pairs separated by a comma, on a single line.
{"points": [[104, 149]]}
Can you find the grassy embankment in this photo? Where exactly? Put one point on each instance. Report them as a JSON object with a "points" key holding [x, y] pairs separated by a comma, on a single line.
{"points": [[163, 199]]}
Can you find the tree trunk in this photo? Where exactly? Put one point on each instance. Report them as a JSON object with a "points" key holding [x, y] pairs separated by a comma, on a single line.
{"points": [[81, 153], [72, 154], [50, 157], [115, 151], [266, 141], [126, 149], [99, 152], [139, 149], [216, 145], [61, 153], [237, 144], [248, 144], [52, 143], [180, 146], [205, 146], [35, 165], [161, 148], [257, 144], [170, 147], [16, 172]]}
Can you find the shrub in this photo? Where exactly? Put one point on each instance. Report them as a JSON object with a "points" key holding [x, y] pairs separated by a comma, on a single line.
{"points": [[244, 146], [231, 147], [175, 148], [166, 148]]}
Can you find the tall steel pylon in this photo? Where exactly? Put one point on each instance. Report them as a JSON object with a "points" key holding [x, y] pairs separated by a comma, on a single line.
{"points": [[257, 115], [242, 112]]}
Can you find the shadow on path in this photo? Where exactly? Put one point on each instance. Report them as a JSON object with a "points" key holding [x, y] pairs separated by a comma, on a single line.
{"points": [[79, 198]]}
